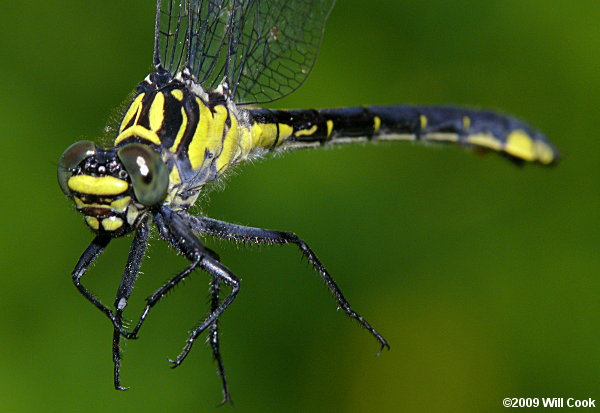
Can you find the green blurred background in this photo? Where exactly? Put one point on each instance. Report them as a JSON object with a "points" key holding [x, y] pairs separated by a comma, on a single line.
{"points": [[484, 277]]}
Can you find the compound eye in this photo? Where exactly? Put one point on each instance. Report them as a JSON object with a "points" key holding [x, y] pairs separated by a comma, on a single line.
{"points": [[149, 174], [69, 160]]}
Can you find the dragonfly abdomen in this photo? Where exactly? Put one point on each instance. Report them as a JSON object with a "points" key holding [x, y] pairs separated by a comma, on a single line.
{"points": [[471, 128]]}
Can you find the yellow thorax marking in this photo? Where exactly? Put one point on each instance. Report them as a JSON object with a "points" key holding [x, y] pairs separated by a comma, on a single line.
{"points": [[181, 130], [174, 178], [230, 144], [423, 121], [157, 112], [196, 148], [520, 144], [140, 132], [97, 185], [174, 182], [307, 132], [134, 110], [177, 94], [245, 140], [208, 134]]}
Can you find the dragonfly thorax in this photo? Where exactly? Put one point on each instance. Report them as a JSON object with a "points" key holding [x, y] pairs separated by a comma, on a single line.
{"points": [[198, 134]]}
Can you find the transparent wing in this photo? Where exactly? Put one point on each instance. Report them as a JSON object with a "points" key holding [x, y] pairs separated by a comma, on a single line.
{"points": [[264, 48]]}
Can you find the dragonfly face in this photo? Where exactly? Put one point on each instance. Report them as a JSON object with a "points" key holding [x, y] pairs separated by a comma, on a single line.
{"points": [[112, 188]]}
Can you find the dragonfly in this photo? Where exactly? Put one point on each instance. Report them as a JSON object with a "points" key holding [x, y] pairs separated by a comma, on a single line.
{"points": [[195, 117]]}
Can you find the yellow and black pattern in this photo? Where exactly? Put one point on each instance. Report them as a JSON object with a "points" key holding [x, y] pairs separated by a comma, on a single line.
{"points": [[470, 128], [189, 123], [101, 190], [201, 135], [197, 134], [175, 137]]}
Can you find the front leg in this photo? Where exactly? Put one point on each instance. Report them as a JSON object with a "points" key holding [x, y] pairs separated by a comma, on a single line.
{"points": [[178, 233], [134, 261], [85, 261], [185, 244]]}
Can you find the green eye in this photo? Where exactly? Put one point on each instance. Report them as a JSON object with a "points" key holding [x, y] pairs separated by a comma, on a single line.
{"points": [[148, 173], [70, 159]]}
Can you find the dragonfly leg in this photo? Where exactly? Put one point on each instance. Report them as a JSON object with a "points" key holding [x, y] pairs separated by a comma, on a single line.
{"points": [[177, 232], [134, 261], [216, 269], [185, 244], [214, 338], [85, 261], [235, 232]]}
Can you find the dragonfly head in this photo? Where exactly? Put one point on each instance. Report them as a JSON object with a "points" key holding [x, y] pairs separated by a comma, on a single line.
{"points": [[112, 188]]}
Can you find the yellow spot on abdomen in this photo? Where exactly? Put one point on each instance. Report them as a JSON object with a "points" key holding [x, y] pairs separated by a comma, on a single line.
{"points": [[545, 153], [285, 131], [157, 112], [520, 144], [307, 132], [97, 185], [423, 121], [112, 223], [134, 110], [329, 127], [376, 124], [263, 134], [466, 123]]}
